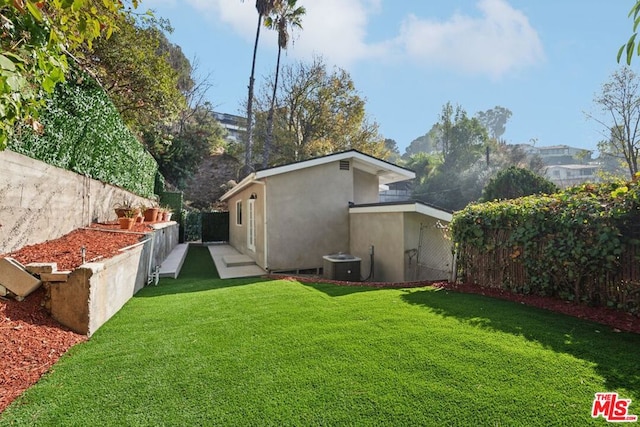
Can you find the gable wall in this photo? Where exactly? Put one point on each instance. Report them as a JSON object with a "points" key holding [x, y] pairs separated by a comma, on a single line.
{"points": [[366, 187], [308, 215]]}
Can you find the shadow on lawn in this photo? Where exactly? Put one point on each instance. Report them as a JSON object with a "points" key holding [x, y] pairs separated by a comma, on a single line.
{"points": [[333, 290], [615, 354]]}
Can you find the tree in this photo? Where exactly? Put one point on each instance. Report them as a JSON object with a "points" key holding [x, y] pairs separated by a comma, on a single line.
{"points": [[515, 182], [264, 8], [494, 120], [462, 138], [317, 112], [458, 176], [36, 37], [619, 99], [629, 48], [145, 75], [392, 148], [426, 143], [181, 148], [423, 164], [286, 16]]}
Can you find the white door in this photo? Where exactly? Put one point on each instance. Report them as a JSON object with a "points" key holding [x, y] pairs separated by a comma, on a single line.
{"points": [[251, 226]]}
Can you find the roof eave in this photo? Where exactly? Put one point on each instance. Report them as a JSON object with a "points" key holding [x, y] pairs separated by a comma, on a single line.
{"points": [[239, 187]]}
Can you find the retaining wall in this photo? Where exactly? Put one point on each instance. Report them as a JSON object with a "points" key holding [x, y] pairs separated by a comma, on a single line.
{"points": [[40, 202], [95, 291]]}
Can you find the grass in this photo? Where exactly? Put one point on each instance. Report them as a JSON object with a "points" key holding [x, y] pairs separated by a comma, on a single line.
{"points": [[205, 351]]}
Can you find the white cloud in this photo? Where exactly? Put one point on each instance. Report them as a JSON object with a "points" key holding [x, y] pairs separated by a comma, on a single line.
{"points": [[335, 29], [500, 40], [495, 43]]}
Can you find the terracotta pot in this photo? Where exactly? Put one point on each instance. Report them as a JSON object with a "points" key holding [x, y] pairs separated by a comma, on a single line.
{"points": [[151, 214], [126, 223]]}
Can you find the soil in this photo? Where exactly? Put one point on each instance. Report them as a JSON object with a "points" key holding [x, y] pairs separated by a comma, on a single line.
{"points": [[31, 341]]}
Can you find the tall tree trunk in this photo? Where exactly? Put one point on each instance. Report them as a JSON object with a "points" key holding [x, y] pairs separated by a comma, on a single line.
{"points": [[267, 142], [248, 154]]}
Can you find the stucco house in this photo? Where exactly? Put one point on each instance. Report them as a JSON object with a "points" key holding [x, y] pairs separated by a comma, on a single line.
{"points": [[289, 217]]}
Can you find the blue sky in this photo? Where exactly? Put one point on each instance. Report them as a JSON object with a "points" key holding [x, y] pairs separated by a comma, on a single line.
{"points": [[543, 60]]}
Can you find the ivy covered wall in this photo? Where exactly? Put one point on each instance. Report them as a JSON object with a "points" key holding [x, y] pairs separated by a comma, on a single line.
{"points": [[83, 133]]}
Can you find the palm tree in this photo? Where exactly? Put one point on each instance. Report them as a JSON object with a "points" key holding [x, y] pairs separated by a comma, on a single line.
{"points": [[264, 8], [284, 16]]}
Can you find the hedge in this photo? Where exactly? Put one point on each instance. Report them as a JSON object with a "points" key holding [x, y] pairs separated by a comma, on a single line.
{"points": [[83, 132], [580, 244]]}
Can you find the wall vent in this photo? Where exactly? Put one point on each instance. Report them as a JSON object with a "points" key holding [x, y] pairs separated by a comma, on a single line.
{"points": [[344, 165]]}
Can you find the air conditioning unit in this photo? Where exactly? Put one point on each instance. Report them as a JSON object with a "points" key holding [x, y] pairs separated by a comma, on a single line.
{"points": [[342, 267]]}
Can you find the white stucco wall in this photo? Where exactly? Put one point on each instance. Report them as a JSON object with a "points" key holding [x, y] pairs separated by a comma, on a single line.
{"points": [[308, 216], [385, 232]]}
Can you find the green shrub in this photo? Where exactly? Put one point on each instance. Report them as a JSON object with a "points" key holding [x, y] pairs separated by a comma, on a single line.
{"points": [[83, 132], [516, 182], [570, 244]]}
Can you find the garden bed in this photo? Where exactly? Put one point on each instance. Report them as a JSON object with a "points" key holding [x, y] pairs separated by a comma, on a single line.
{"points": [[30, 339]]}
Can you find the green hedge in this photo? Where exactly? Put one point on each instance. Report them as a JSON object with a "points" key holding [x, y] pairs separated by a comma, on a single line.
{"points": [[83, 132], [582, 243]]}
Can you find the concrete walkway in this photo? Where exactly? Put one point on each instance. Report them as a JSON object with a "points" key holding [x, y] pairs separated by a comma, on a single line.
{"points": [[232, 264], [229, 262]]}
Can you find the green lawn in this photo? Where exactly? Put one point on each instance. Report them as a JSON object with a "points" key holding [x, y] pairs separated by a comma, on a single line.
{"points": [[202, 351]]}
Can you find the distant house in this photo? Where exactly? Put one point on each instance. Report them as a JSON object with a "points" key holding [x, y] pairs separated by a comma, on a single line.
{"points": [[396, 191], [288, 218], [235, 126], [568, 175], [558, 154]]}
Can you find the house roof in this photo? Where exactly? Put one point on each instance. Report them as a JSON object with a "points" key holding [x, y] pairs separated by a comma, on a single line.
{"points": [[407, 206], [387, 172]]}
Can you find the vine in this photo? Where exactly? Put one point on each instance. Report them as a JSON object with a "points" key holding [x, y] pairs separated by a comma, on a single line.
{"points": [[569, 243]]}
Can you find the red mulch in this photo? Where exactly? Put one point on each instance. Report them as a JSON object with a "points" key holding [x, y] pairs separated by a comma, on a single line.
{"points": [[31, 341]]}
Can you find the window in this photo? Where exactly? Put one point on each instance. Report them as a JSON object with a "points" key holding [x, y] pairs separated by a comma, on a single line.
{"points": [[239, 212]]}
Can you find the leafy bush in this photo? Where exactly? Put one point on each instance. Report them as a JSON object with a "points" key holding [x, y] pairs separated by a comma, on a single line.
{"points": [[192, 225], [570, 244], [83, 132], [515, 182]]}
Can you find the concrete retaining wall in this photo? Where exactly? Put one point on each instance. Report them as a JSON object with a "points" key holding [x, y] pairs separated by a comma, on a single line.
{"points": [[40, 202], [94, 292]]}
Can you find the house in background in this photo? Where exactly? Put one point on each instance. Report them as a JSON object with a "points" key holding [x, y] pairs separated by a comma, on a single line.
{"points": [[236, 126], [287, 218], [569, 175]]}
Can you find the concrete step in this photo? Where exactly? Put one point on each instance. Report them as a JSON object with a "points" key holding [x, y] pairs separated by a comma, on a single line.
{"points": [[16, 279], [171, 266], [237, 261]]}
